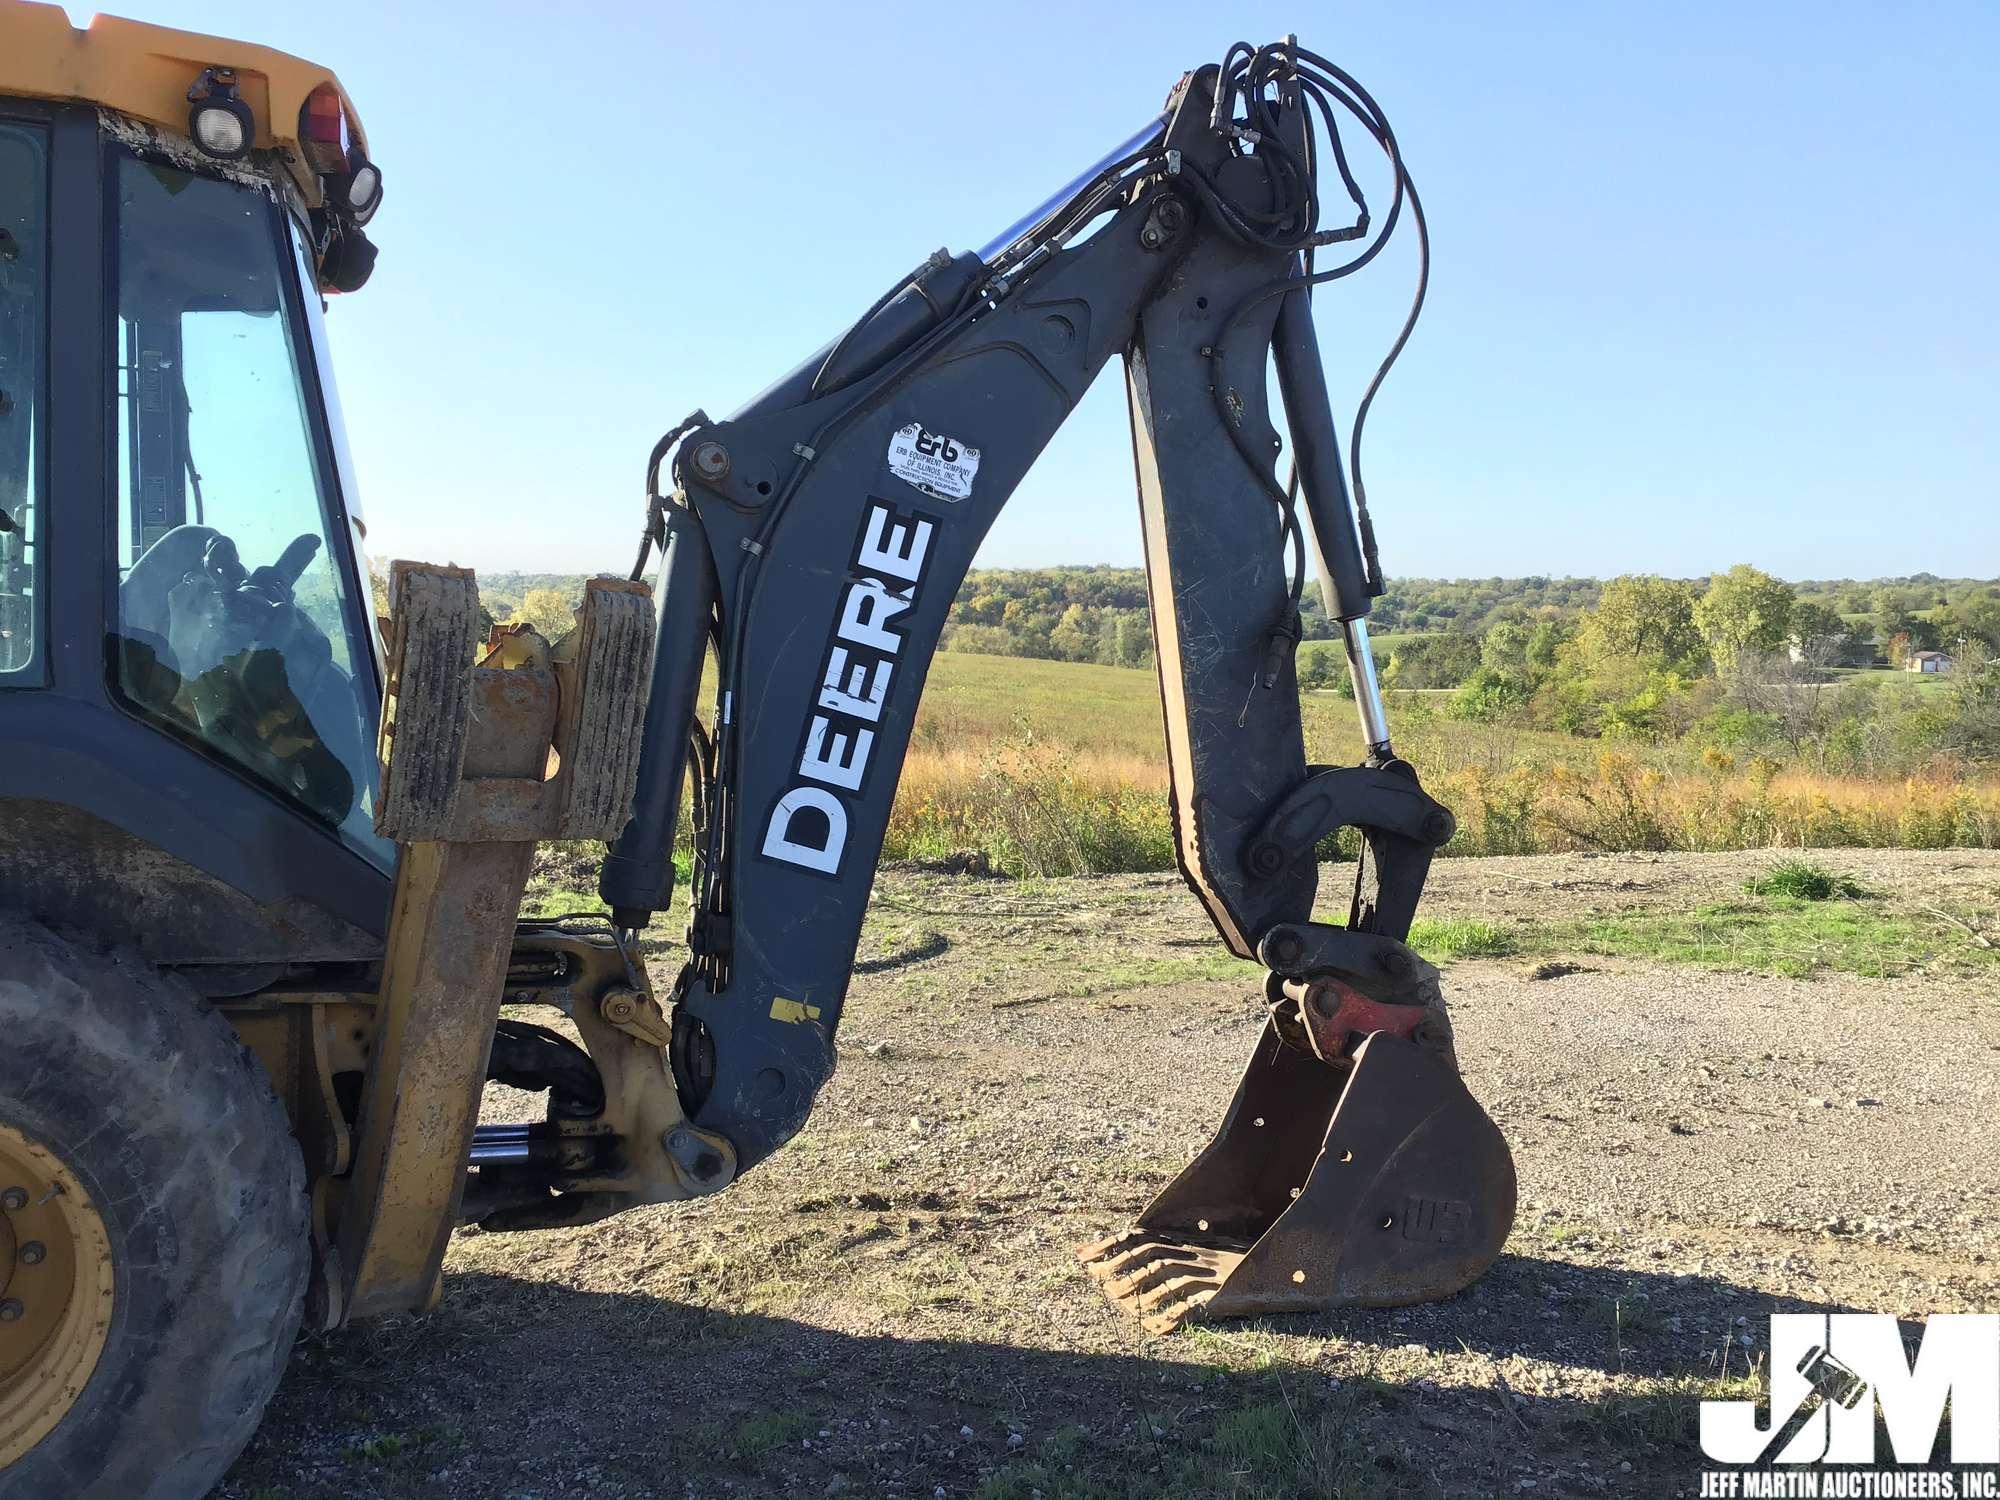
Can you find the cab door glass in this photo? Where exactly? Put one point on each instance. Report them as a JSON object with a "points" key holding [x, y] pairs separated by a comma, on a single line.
{"points": [[23, 374], [236, 615]]}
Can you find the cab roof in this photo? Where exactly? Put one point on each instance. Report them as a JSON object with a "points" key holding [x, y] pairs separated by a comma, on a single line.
{"points": [[145, 72]]}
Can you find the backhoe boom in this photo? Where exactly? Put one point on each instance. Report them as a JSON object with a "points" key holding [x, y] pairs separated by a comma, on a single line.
{"points": [[816, 540]]}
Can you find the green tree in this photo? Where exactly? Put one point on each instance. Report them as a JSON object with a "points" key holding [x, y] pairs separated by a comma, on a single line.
{"points": [[980, 640], [1074, 636], [1319, 669], [1974, 621], [1974, 704], [1645, 620], [1546, 642], [1745, 613], [550, 611], [1133, 636], [1917, 632], [1505, 649], [1433, 661], [1820, 636]]}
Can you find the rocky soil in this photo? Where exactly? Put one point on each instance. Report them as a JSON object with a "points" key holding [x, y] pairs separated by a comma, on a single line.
{"points": [[892, 1306]]}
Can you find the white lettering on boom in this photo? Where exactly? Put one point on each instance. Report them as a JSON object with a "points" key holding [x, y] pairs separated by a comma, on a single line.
{"points": [[808, 824]]}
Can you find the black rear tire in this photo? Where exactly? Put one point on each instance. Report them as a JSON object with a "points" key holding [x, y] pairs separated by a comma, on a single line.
{"points": [[143, 1091]]}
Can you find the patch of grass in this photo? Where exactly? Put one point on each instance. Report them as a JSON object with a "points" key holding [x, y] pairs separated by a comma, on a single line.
{"points": [[1055, 767], [770, 1431], [1135, 973], [1781, 935], [563, 878], [1460, 937], [1258, 1438], [1063, 1445], [1270, 1452], [1053, 1473], [376, 1450], [1292, 1439], [932, 1278], [1626, 1319], [1253, 1350], [1802, 880], [1664, 1409]]}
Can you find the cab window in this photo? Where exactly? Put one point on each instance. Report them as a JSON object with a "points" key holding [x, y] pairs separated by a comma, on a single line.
{"points": [[23, 377], [236, 615]]}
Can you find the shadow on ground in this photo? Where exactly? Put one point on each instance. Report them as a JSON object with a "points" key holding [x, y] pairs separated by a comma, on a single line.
{"points": [[532, 1388]]}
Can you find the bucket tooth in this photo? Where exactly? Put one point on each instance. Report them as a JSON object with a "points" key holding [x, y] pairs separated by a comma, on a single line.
{"points": [[1162, 1282], [1116, 1257], [1170, 1265], [1177, 1303], [1372, 1185]]}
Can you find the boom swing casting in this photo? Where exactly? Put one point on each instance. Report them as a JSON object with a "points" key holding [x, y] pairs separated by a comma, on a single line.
{"points": [[814, 542]]}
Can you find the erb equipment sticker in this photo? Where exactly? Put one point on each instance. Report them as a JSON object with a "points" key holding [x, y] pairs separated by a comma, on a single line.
{"points": [[934, 463]]}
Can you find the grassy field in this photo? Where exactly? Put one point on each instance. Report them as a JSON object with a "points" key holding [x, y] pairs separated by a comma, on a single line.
{"points": [[1057, 768], [1111, 712], [1797, 919], [1928, 682], [973, 699]]}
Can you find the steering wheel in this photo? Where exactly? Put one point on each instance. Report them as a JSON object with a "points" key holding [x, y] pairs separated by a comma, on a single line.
{"points": [[218, 610]]}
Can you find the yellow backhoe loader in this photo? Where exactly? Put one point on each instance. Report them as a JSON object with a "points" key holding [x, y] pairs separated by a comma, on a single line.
{"points": [[261, 862]]}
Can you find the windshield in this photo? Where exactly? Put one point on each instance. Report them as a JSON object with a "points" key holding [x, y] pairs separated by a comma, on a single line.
{"points": [[238, 622]]}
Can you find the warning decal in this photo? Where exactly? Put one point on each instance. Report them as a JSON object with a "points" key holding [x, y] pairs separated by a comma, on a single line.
{"points": [[932, 462]]}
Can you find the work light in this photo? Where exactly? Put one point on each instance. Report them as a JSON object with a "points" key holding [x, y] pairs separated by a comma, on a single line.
{"points": [[220, 122], [364, 191]]}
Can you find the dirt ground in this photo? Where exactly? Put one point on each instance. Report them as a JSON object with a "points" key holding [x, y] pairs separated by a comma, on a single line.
{"points": [[892, 1306]]}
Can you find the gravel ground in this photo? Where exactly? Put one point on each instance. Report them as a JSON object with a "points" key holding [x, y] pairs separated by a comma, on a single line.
{"points": [[892, 1306]]}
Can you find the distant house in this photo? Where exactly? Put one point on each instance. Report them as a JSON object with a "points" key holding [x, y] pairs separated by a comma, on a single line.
{"points": [[1853, 647], [1927, 661]]}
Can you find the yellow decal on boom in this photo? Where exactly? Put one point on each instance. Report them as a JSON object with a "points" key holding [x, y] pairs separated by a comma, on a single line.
{"points": [[794, 1011]]}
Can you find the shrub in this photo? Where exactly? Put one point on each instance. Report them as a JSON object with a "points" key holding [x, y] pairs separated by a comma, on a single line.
{"points": [[1736, 729], [1487, 695], [1803, 880]]}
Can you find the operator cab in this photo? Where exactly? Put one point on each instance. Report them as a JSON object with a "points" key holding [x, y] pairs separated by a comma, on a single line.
{"points": [[188, 656]]}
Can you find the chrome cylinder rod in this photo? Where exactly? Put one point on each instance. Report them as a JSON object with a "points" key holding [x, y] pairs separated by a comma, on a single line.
{"points": [[1367, 690], [996, 249], [501, 1153], [505, 1145]]}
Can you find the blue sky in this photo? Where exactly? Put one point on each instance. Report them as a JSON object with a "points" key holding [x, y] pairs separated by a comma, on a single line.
{"points": [[1713, 283]]}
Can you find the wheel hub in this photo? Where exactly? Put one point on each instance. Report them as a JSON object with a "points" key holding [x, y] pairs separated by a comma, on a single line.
{"points": [[55, 1291]]}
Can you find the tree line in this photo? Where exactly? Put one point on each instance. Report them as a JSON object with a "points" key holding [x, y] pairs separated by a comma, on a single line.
{"points": [[1740, 661]]}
